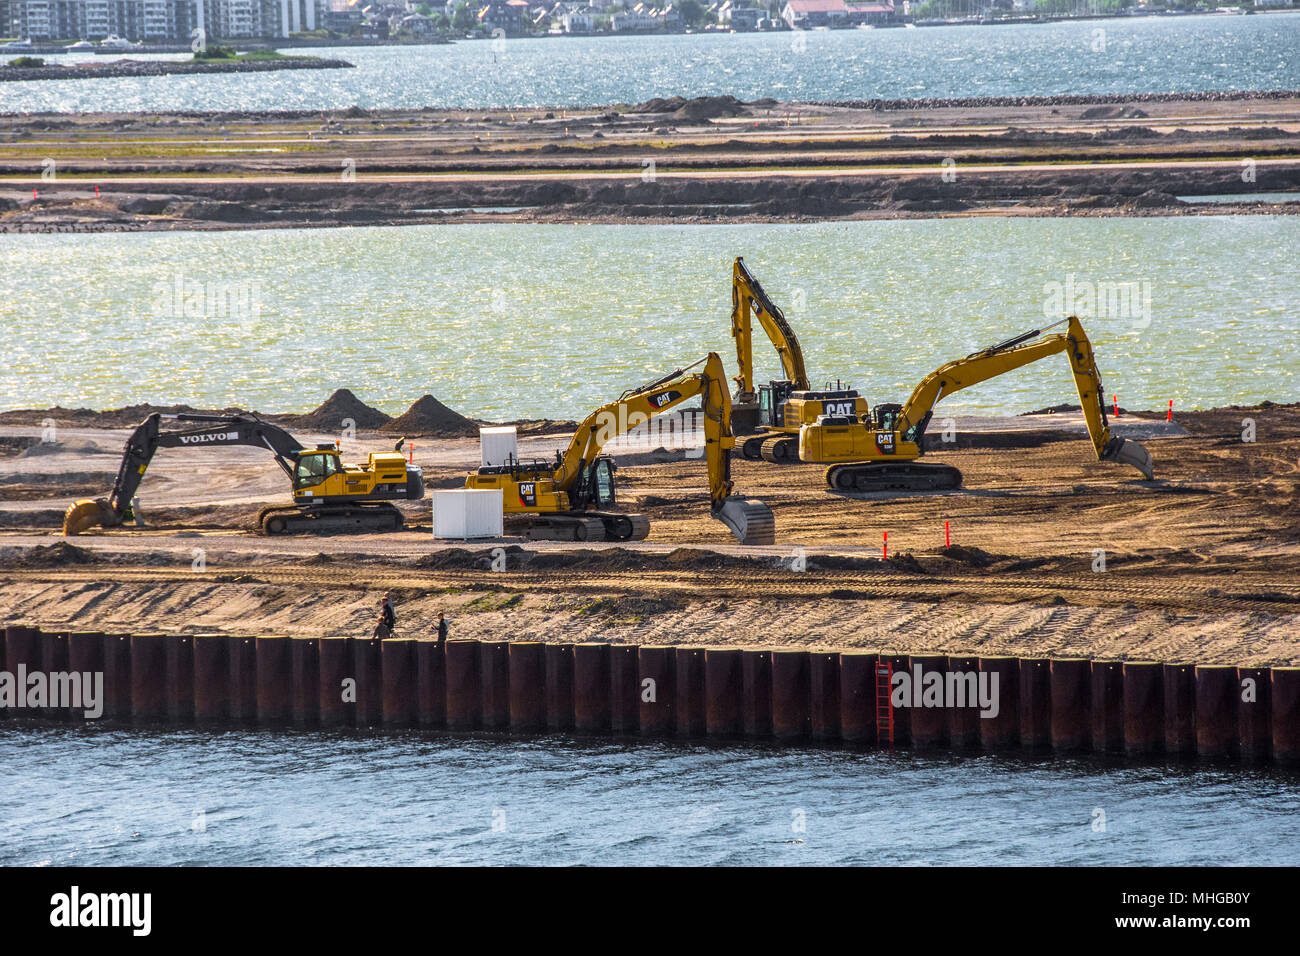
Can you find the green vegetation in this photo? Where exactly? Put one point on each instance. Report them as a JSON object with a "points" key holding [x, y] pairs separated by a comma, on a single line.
{"points": [[27, 61], [225, 54], [215, 52], [463, 17]]}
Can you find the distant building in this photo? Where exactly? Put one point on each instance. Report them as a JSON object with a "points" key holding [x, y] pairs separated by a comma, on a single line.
{"points": [[508, 15], [741, 19], [161, 21], [575, 19], [809, 14]]}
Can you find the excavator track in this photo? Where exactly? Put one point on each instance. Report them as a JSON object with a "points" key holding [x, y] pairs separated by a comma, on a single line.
{"points": [[557, 527], [378, 516], [623, 527], [892, 476], [781, 450], [751, 449]]}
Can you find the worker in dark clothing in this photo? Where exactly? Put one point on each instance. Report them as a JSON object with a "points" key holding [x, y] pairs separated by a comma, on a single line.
{"points": [[442, 628], [387, 618]]}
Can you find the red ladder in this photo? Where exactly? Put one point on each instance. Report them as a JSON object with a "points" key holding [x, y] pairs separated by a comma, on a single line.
{"points": [[884, 711]]}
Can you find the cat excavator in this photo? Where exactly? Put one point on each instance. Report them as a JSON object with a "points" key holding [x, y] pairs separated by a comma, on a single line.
{"points": [[878, 451], [574, 498], [328, 495], [780, 408]]}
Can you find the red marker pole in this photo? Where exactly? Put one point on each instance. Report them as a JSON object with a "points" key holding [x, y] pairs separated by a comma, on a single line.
{"points": [[34, 196], [96, 190], [884, 551], [947, 538], [1115, 399], [1170, 416], [412, 453]]}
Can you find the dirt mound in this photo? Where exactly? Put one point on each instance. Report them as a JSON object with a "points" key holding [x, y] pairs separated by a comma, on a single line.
{"points": [[57, 555], [709, 107], [110, 418], [697, 108], [1155, 199], [343, 405], [906, 562], [428, 416], [975, 557]]}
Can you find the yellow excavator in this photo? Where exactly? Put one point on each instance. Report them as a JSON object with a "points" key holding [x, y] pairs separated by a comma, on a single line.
{"points": [[780, 408], [574, 498], [328, 495], [878, 452]]}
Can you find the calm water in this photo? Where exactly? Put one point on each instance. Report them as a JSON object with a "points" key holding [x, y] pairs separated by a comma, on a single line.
{"points": [[517, 320], [1130, 55], [186, 798]]}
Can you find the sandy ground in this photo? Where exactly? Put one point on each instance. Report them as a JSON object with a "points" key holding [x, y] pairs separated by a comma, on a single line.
{"points": [[1202, 564], [706, 160]]}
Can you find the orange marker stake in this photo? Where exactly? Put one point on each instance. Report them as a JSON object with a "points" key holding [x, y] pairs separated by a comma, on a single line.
{"points": [[1115, 399], [412, 453], [1170, 416], [947, 539], [884, 551], [34, 196]]}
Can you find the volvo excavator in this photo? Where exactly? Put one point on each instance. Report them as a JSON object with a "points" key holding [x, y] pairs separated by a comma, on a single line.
{"points": [[328, 495], [574, 498], [780, 408], [878, 452]]}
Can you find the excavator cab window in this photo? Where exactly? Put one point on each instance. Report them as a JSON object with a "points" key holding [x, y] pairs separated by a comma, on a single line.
{"points": [[312, 469], [770, 399], [887, 417], [602, 483]]}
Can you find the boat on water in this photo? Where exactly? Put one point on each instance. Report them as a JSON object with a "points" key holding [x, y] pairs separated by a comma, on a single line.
{"points": [[113, 43]]}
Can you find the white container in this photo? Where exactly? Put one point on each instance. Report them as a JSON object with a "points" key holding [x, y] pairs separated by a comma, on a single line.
{"points": [[498, 444], [466, 513]]}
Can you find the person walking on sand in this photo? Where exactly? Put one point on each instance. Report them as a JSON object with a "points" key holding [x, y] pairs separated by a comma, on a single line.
{"points": [[387, 618], [442, 629]]}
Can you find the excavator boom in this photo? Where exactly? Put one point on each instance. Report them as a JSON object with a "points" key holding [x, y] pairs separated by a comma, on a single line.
{"points": [[749, 301]]}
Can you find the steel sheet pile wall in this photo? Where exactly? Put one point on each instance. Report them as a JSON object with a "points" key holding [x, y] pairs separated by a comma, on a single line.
{"points": [[787, 694]]}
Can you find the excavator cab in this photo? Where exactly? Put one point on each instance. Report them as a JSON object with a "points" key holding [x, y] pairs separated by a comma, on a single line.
{"points": [[602, 483], [314, 467], [886, 416], [771, 398]]}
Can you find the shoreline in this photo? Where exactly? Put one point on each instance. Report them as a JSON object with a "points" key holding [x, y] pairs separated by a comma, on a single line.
{"points": [[708, 159], [133, 68]]}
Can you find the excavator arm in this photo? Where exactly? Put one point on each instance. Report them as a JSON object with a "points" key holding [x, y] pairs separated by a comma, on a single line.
{"points": [[1010, 355], [749, 520], [749, 301], [148, 437]]}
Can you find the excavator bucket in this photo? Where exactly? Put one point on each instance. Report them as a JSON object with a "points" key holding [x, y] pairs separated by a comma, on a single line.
{"points": [[1128, 452], [748, 519], [87, 513]]}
